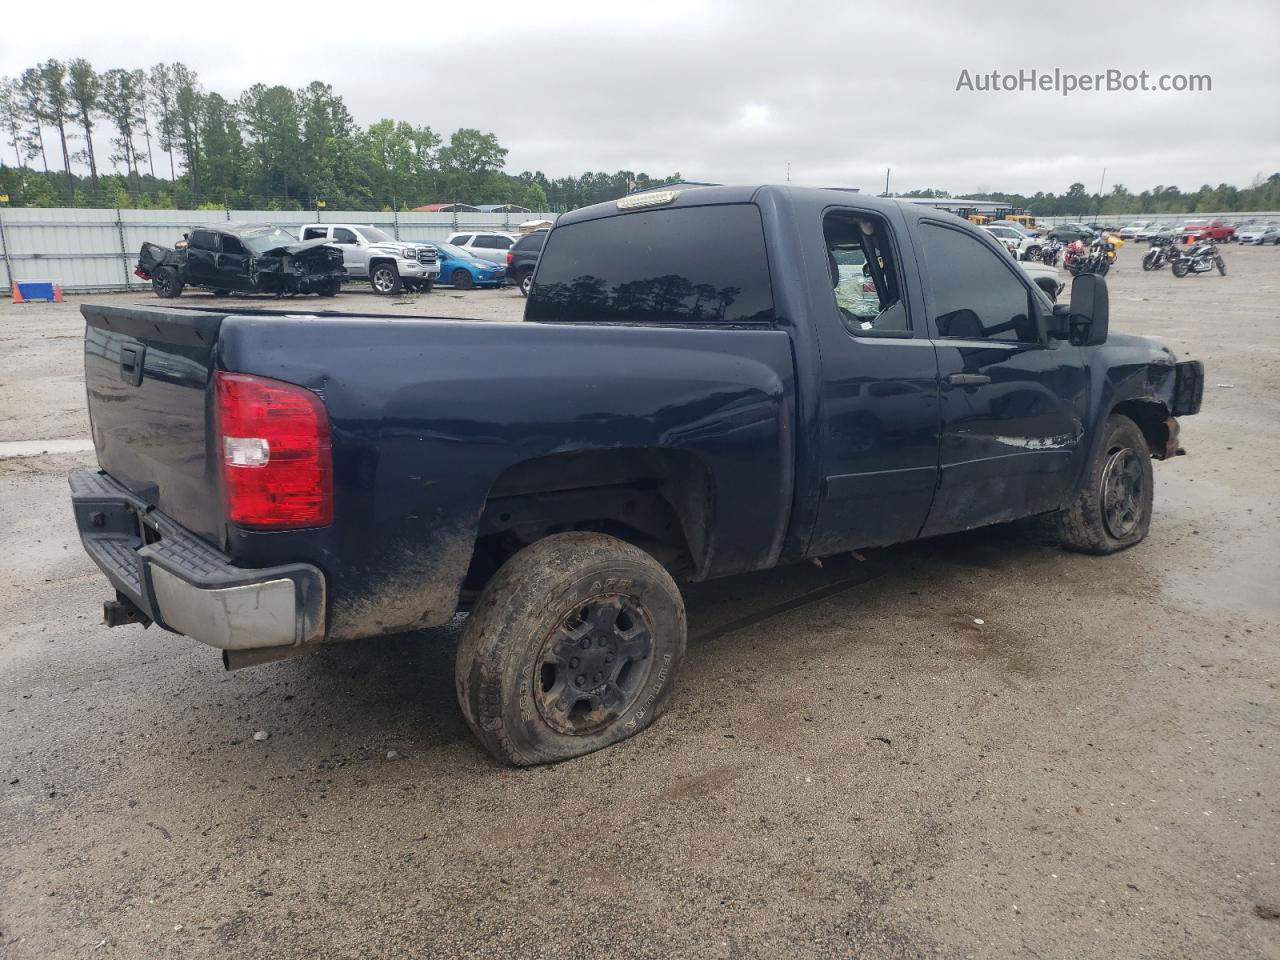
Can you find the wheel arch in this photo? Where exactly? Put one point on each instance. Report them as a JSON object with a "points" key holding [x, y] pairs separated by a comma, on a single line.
{"points": [[658, 499], [1152, 416]]}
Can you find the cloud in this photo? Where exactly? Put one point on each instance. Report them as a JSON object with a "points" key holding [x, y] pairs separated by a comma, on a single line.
{"points": [[735, 92]]}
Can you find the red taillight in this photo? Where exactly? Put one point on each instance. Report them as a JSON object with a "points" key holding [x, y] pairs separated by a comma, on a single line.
{"points": [[277, 459], [511, 258]]}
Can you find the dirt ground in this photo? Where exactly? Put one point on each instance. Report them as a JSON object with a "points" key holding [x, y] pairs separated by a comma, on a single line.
{"points": [[866, 771]]}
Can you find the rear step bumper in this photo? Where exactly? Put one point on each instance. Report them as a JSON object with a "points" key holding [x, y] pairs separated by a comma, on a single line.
{"points": [[186, 585]]}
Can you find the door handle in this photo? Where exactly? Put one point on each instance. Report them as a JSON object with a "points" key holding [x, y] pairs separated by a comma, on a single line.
{"points": [[967, 379]]}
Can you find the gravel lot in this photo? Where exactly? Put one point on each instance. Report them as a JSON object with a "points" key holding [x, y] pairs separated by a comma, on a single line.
{"points": [[867, 772]]}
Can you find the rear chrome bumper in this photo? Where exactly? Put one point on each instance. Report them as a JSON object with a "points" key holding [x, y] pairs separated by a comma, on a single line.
{"points": [[185, 584]]}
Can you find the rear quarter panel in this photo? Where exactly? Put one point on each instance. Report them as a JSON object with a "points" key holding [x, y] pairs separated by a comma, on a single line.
{"points": [[426, 414]]}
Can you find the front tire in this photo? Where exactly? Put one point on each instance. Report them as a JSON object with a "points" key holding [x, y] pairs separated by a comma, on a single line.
{"points": [[385, 280], [573, 646], [1112, 511], [462, 280], [1221, 265]]}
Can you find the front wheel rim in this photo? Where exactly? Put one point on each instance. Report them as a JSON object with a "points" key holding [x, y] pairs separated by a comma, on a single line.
{"points": [[1122, 492], [593, 665], [526, 283], [382, 281]]}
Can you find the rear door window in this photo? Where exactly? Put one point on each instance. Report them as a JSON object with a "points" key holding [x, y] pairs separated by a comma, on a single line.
{"points": [[315, 233], [692, 265]]}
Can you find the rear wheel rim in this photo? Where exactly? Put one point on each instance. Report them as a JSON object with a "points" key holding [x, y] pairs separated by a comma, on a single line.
{"points": [[1122, 493], [526, 282], [593, 665]]}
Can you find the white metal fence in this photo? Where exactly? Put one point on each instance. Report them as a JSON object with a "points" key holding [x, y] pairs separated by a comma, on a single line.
{"points": [[1163, 219], [87, 249]]}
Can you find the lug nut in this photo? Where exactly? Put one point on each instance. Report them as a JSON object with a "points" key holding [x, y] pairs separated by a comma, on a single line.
{"points": [[573, 664], [599, 677], [608, 658], [603, 641], [585, 643], [582, 680]]}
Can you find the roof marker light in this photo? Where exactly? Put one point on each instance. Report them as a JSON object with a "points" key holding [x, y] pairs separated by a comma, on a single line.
{"points": [[652, 198]]}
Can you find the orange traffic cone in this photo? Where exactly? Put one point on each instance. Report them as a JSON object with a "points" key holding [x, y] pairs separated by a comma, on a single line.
{"points": [[57, 293], [17, 292]]}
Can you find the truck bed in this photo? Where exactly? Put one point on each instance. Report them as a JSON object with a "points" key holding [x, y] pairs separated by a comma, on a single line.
{"points": [[426, 416]]}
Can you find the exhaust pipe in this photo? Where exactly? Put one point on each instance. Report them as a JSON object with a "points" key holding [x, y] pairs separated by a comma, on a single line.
{"points": [[239, 659]]}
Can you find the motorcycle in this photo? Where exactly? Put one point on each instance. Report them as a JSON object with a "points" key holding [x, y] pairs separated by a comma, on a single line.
{"points": [[1201, 258], [1096, 258], [1073, 259], [1163, 251], [1050, 252]]}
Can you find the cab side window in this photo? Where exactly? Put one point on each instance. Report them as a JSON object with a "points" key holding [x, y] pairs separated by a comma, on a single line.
{"points": [[343, 235], [232, 245], [975, 293], [203, 240], [864, 275]]}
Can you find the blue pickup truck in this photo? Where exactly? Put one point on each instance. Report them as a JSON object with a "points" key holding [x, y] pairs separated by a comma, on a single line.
{"points": [[689, 396]]}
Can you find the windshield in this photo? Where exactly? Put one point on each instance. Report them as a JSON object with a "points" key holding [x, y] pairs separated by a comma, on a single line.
{"points": [[374, 235], [267, 238], [454, 253]]}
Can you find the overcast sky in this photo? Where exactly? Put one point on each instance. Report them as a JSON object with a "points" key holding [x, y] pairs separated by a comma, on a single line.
{"points": [[733, 92]]}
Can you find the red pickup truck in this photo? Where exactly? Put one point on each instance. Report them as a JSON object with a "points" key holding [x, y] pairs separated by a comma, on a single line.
{"points": [[1214, 230]]}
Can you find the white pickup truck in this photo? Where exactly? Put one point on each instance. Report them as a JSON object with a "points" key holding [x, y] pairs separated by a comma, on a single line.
{"points": [[372, 254]]}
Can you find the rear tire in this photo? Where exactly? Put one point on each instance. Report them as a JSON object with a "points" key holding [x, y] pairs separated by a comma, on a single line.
{"points": [[167, 283], [385, 280], [328, 289], [573, 646], [526, 282], [462, 280], [1112, 510], [1179, 267]]}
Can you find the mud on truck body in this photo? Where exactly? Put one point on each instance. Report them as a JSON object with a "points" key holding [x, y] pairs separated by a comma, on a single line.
{"points": [[688, 397]]}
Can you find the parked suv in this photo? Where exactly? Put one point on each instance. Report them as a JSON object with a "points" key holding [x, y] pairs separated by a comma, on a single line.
{"points": [[523, 257], [486, 246], [370, 253], [1021, 245]]}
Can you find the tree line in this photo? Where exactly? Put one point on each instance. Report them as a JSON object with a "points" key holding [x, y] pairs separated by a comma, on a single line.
{"points": [[174, 144], [1120, 201]]}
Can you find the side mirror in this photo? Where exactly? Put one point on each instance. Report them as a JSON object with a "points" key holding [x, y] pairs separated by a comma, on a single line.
{"points": [[1089, 314]]}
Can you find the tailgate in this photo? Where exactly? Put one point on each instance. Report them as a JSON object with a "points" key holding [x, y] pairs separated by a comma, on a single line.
{"points": [[148, 373]]}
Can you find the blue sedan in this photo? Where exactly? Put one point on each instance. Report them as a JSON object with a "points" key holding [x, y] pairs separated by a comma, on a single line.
{"points": [[460, 268]]}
